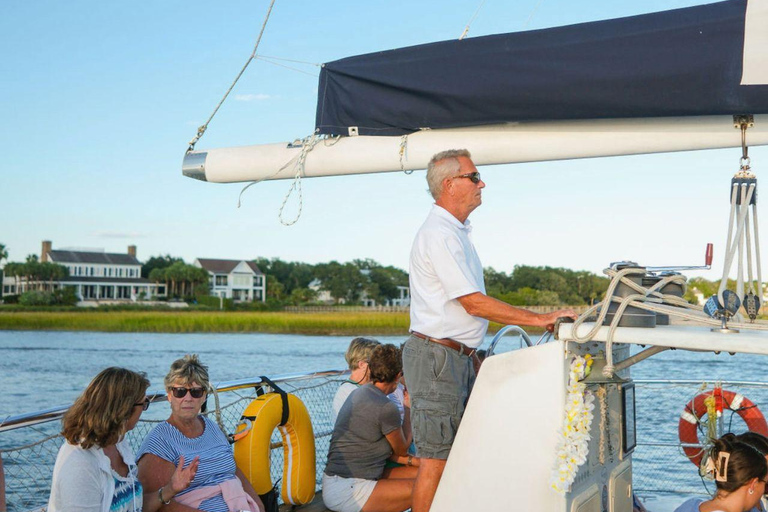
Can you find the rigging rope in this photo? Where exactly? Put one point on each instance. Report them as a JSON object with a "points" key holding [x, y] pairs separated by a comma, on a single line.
{"points": [[287, 67], [403, 152], [299, 162], [201, 130], [649, 299], [466, 29], [740, 240]]}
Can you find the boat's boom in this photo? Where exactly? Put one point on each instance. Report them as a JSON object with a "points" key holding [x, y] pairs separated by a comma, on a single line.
{"points": [[489, 145]]}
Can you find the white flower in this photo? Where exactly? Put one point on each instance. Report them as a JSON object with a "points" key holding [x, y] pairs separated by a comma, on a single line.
{"points": [[573, 448]]}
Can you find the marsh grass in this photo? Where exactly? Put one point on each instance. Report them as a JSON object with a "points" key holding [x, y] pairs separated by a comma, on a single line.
{"points": [[330, 323], [341, 323]]}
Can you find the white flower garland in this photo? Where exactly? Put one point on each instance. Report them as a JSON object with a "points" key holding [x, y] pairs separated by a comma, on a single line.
{"points": [[573, 447]]}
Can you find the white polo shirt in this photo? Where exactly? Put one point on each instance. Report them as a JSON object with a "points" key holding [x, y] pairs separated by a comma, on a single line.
{"points": [[444, 265]]}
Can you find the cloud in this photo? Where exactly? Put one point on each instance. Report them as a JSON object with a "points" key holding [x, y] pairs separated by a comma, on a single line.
{"points": [[253, 97], [118, 234]]}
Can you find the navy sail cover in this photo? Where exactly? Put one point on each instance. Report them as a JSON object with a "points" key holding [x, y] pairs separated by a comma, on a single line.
{"points": [[684, 62]]}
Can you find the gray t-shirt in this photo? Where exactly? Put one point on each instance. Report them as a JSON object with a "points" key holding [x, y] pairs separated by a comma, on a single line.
{"points": [[359, 448]]}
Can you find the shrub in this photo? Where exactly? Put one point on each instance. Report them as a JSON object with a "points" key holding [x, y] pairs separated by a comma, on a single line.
{"points": [[36, 298], [10, 299], [65, 297], [214, 302], [271, 304]]}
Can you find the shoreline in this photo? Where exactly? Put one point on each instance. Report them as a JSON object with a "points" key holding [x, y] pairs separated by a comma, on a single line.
{"points": [[181, 322]]}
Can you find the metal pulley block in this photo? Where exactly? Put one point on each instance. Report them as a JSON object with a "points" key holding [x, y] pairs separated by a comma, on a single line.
{"points": [[744, 179], [714, 309], [751, 305]]}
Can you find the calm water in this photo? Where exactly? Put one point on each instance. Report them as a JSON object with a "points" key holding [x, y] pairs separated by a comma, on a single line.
{"points": [[44, 369]]}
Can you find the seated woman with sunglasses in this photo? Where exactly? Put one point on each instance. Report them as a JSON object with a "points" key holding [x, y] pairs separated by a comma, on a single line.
{"points": [[95, 470], [218, 485], [367, 433], [740, 472]]}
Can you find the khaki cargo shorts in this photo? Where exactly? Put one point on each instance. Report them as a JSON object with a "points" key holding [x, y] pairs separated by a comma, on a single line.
{"points": [[439, 380]]}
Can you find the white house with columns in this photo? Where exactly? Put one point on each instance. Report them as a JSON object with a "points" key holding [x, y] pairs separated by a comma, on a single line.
{"points": [[95, 275], [239, 280]]}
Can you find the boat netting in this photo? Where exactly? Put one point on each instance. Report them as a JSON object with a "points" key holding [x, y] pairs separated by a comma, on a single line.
{"points": [[659, 464], [29, 464]]}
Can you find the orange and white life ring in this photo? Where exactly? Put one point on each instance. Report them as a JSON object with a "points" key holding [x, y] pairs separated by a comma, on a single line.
{"points": [[252, 446], [697, 409]]}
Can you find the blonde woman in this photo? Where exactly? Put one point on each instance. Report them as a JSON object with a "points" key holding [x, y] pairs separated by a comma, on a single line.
{"points": [[95, 470], [219, 486], [357, 356]]}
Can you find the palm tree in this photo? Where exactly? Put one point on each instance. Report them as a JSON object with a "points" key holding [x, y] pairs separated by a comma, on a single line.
{"points": [[160, 275], [14, 270]]}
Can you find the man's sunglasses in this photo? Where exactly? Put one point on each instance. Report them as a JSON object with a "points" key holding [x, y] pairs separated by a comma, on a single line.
{"points": [[474, 177], [182, 392], [144, 405]]}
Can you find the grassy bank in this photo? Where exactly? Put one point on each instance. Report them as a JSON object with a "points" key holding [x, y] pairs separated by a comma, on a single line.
{"points": [[341, 323], [335, 323]]}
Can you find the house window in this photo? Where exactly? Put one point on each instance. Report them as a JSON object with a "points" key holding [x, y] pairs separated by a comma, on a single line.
{"points": [[91, 270], [120, 272], [242, 280], [257, 281], [221, 280]]}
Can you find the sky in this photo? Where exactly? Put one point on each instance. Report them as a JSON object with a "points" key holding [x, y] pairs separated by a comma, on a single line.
{"points": [[99, 100]]}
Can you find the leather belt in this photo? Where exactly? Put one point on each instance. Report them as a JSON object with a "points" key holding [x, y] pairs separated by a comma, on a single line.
{"points": [[447, 342]]}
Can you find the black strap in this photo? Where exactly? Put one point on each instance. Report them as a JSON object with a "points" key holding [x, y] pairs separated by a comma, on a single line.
{"points": [[283, 397]]}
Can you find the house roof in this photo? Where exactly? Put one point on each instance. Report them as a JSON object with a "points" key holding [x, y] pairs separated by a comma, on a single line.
{"points": [[254, 267], [103, 258], [225, 266]]}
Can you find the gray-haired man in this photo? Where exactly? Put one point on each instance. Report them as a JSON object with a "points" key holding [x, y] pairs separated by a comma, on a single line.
{"points": [[449, 316]]}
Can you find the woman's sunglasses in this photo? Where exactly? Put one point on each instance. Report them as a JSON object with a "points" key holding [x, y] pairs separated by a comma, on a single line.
{"points": [[144, 405], [474, 177], [182, 392]]}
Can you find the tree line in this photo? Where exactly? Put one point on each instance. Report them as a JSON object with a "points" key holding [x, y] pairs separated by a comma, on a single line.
{"points": [[288, 282], [39, 276]]}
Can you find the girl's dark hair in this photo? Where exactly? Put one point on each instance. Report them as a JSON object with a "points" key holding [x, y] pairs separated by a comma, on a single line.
{"points": [[756, 440], [744, 463], [386, 363]]}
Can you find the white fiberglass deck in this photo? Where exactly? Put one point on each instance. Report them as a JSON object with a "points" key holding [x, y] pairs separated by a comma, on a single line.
{"points": [[685, 337]]}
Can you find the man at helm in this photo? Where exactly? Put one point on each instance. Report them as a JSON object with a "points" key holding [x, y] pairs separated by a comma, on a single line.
{"points": [[449, 316]]}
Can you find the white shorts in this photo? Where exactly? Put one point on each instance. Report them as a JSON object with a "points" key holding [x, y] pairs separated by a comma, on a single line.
{"points": [[346, 494]]}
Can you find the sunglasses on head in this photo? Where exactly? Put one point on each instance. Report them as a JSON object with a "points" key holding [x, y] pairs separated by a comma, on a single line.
{"points": [[144, 405], [182, 392], [474, 177]]}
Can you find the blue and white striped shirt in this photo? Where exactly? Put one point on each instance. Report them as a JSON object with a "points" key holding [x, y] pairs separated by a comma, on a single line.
{"points": [[217, 462]]}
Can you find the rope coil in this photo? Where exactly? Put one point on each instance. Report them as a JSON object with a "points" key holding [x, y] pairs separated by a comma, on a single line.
{"points": [[646, 298]]}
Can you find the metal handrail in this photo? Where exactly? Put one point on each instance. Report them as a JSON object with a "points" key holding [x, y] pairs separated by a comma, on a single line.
{"points": [[695, 382], [55, 413], [504, 330]]}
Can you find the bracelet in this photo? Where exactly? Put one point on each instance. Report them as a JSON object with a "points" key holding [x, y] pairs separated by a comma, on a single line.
{"points": [[410, 460], [160, 495]]}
